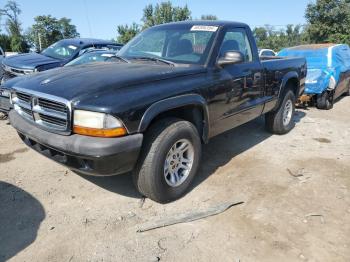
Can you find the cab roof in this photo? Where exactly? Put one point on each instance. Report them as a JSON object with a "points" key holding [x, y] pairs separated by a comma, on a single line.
{"points": [[205, 23], [89, 41]]}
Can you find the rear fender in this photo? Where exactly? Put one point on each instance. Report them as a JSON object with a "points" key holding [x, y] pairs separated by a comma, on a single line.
{"points": [[287, 77]]}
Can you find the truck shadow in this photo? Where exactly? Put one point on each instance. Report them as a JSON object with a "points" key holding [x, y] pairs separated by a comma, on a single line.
{"points": [[217, 153], [223, 148], [20, 217], [120, 184]]}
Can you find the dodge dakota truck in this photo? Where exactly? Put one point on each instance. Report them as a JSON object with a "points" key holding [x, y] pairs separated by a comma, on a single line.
{"points": [[176, 86]]}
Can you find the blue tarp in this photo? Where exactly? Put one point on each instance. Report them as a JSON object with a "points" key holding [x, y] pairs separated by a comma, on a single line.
{"points": [[325, 63]]}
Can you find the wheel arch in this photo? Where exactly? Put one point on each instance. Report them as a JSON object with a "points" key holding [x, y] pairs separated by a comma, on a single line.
{"points": [[190, 107], [290, 80]]}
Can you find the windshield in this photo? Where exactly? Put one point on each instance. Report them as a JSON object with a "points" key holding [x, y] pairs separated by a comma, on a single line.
{"points": [[60, 50], [182, 44], [93, 57]]}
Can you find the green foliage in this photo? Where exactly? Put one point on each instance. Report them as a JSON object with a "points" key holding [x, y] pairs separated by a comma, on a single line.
{"points": [[161, 13], [13, 26], [5, 42], [127, 32], [329, 21], [267, 37], [209, 17], [164, 12], [48, 30]]}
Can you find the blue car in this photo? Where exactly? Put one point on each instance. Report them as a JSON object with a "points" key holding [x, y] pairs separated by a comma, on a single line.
{"points": [[328, 73], [56, 55]]}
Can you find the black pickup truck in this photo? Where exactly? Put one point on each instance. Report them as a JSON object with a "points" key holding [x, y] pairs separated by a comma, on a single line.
{"points": [[176, 86]]}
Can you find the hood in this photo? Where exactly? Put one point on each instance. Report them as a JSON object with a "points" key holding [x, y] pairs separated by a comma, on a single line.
{"points": [[29, 61], [75, 82]]}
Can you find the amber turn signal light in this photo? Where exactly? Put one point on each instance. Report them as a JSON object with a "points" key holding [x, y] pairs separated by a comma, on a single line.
{"points": [[86, 131]]}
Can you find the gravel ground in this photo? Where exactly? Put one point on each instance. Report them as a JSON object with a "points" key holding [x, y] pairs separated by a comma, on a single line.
{"points": [[295, 190]]}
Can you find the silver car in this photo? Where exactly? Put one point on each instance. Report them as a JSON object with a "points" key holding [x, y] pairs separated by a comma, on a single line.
{"points": [[2, 56]]}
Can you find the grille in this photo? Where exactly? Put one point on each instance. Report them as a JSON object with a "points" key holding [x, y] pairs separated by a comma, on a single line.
{"points": [[53, 120], [47, 104], [27, 111], [44, 112], [17, 71], [14, 71], [24, 97]]}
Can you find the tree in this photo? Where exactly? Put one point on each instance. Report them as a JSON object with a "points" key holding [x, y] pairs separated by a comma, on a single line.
{"points": [[268, 37], [13, 26], [127, 32], [209, 17], [161, 13], [328, 21], [48, 30], [5, 42], [164, 12], [67, 29]]}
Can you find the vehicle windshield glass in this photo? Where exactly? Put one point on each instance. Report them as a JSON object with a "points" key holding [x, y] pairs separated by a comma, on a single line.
{"points": [[93, 57], [60, 50], [182, 44]]}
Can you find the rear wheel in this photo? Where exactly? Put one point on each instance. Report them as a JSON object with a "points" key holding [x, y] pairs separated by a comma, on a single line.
{"points": [[169, 160], [347, 93], [325, 100], [281, 121]]}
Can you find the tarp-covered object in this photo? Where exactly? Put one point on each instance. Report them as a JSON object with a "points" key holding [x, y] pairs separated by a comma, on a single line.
{"points": [[325, 63]]}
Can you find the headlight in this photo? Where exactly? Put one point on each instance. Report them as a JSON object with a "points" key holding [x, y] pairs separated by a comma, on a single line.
{"points": [[4, 92], [97, 124], [332, 83]]}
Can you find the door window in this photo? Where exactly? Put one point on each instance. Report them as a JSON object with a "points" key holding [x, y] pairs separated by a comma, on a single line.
{"points": [[237, 40]]}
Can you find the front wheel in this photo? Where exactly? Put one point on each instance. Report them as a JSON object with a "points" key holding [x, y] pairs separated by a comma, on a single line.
{"points": [[169, 160], [325, 100], [281, 121]]}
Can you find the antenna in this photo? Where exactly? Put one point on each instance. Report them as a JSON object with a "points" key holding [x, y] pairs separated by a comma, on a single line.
{"points": [[87, 17]]}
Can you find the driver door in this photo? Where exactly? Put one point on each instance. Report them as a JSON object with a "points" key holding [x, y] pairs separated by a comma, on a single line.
{"points": [[241, 85]]}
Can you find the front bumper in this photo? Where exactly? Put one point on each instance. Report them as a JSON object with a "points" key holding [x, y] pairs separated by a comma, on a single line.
{"points": [[87, 155]]}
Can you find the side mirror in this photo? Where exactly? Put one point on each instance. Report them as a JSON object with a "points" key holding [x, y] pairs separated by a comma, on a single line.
{"points": [[230, 58]]}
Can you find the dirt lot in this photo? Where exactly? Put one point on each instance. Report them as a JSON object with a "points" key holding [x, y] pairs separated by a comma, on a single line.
{"points": [[296, 190]]}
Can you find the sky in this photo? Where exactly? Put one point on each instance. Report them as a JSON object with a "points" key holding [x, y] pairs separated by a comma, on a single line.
{"points": [[99, 19]]}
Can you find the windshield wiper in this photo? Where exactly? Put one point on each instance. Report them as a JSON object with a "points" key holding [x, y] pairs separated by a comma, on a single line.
{"points": [[155, 60], [122, 59]]}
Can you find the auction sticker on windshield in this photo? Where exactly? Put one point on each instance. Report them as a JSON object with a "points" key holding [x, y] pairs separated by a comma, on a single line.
{"points": [[204, 28]]}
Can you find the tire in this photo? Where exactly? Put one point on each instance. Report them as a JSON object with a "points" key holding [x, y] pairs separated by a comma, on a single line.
{"points": [[149, 175], [281, 120], [347, 93], [325, 100]]}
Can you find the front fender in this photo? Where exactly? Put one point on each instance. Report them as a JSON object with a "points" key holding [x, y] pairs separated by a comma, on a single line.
{"points": [[172, 103]]}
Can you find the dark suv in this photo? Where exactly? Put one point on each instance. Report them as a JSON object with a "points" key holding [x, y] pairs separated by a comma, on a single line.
{"points": [[56, 55]]}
